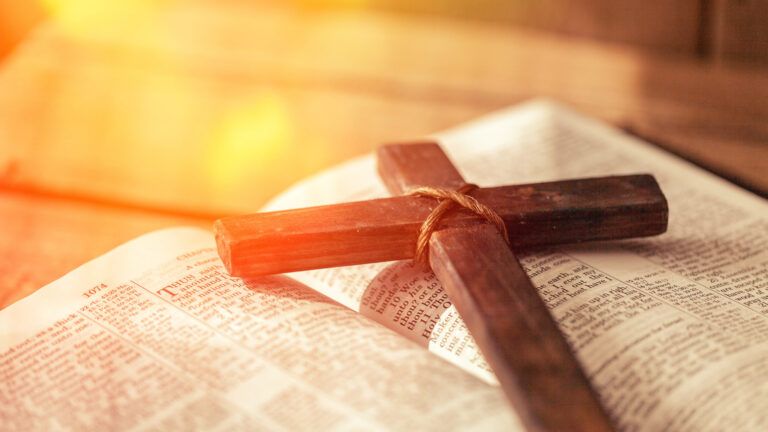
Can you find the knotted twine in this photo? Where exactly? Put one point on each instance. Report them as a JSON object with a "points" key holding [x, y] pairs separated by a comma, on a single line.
{"points": [[448, 200]]}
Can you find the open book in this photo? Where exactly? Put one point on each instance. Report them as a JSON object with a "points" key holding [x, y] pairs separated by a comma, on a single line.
{"points": [[154, 335]]}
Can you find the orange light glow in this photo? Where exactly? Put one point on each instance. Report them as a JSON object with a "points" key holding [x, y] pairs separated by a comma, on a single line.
{"points": [[253, 135], [99, 17]]}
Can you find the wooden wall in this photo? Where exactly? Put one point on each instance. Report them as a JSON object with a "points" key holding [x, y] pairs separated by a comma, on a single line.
{"points": [[738, 30], [657, 24], [715, 30]]}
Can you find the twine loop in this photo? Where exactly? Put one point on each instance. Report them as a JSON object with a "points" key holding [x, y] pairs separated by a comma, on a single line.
{"points": [[449, 200]]}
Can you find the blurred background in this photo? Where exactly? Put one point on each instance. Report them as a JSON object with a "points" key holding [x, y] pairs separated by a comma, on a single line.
{"points": [[121, 116], [214, 106]]}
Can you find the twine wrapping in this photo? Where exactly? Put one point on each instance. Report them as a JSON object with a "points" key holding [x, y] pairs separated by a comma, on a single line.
{"points": [[449, 199]]}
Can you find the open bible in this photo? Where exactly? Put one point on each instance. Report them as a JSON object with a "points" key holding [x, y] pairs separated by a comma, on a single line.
{"points": [[154, 335]]}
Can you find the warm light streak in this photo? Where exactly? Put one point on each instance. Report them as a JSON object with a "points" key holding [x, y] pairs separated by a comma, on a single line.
{"points": [[338, 3]]}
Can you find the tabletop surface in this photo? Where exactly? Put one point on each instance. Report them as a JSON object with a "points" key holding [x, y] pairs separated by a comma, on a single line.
{"points": [[111, 132]]}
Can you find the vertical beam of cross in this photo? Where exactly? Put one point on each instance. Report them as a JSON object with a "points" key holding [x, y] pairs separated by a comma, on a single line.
{"points": [[501, 307]]}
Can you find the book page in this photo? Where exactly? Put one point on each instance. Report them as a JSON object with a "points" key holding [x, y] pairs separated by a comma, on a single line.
{"points": [[154, 336], [671, 330]]}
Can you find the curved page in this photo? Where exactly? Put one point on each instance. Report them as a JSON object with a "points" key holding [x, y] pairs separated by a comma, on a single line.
{"points": [[155, 336], [671, 330]]}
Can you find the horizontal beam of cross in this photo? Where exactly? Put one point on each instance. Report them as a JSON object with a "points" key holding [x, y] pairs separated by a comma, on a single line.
{"points": [[386, 229]]}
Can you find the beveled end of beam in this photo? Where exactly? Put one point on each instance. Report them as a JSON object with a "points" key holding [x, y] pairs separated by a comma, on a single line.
{"points": [[223, 242]]}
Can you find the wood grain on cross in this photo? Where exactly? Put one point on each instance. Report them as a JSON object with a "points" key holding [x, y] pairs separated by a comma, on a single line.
{"points": [[494, 296], [386, 229], [499, 304]]}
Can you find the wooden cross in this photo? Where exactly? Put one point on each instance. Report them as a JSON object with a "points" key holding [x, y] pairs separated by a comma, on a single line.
{"points": [[479, 271]]}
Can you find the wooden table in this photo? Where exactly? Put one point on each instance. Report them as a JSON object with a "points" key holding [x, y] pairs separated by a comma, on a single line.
{"points": [[152, 121]]}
